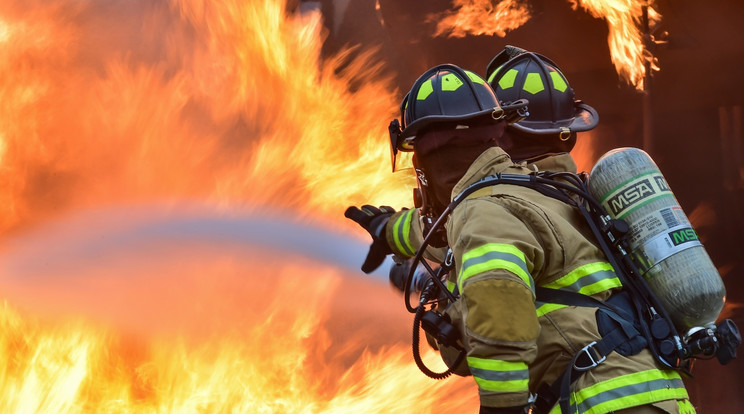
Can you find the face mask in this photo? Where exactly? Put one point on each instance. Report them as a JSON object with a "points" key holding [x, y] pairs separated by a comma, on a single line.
{"points": [[444, 155]]}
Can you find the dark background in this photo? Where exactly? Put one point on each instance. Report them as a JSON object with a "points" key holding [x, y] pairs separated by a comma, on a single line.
{"points": [[692, 114]]}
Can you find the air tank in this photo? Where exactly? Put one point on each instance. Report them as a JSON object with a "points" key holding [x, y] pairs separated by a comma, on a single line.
{"points": [[670, 256]]}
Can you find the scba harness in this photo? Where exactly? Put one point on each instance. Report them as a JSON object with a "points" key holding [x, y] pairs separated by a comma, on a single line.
{"points": [[629, 321]]}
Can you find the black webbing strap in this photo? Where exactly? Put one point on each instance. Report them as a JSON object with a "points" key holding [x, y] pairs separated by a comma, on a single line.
{"points": [[588, 357], [546, 184]]}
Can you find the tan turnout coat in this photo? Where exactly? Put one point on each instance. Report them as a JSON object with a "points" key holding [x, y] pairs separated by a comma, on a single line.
{"points": [[506, 240]]}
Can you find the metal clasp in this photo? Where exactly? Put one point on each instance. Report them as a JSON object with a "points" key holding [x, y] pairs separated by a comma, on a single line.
{"points": [[449, 258], [594, 362]]}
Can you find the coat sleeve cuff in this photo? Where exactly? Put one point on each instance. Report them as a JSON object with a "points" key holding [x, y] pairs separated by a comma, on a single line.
{"points": [[403, 233]]}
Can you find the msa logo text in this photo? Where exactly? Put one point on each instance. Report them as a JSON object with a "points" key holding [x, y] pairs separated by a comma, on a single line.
{"points": [[683, 236], [636, 192]]}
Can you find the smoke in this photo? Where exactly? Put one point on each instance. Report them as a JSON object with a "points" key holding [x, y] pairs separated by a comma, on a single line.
{"points": [[97, 234]]}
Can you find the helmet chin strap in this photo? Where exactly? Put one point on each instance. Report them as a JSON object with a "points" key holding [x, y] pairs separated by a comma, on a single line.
{"points": [[429, 210]]}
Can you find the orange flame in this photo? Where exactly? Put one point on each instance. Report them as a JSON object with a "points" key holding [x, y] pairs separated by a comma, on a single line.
{"points": [[626, 40], [283, 350], [480, 17], [227, 103], [627, 49]]}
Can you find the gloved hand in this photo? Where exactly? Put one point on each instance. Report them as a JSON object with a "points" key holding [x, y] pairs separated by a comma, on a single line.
{"points": [[373, 220]]}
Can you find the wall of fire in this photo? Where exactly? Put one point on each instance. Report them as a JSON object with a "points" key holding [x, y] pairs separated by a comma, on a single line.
{"points": [[693, 118]]}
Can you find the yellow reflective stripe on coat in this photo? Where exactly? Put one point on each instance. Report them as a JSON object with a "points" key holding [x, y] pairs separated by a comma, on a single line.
{"points": [[499, 376], [493, 256], [589, 279], [631, 390], [543, 308], [402, 234]]}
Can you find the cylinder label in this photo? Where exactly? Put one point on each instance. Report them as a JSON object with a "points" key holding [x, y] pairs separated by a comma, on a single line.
{"points": [[663, 245], [636, 192], [656, 222]]}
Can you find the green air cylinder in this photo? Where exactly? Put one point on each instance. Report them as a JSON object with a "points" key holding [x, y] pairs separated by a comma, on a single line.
{"points": [[670, 256]]}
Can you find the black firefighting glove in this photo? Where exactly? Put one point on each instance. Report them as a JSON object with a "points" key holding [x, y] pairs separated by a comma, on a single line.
{"points": [[373, 220]]}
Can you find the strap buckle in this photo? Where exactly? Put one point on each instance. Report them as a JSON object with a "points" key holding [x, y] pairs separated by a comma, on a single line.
{"points": [[591, 353]]}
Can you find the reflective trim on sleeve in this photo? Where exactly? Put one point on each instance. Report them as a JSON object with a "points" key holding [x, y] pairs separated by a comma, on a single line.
{"points": [[631, 390], [402, 234], [494, 256], [499, 376], [589, 279]]}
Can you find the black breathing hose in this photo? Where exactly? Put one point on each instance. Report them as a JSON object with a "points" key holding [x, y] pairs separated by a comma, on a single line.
{"points": [[417, 355], [547, 185]]}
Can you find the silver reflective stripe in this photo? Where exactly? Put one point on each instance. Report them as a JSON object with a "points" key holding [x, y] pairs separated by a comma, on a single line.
{"points": [[495, 256], [588, 279], [629, 390], [401, 233], [500, 375]]}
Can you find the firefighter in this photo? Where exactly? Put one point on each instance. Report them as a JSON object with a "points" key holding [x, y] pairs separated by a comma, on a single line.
{"points": [[555, 116], [507, 240]]}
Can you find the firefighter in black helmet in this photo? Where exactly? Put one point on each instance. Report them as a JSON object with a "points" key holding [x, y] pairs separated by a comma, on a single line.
{"points": [[447, 119], [544, 140], [459, 117], [555, 115]]}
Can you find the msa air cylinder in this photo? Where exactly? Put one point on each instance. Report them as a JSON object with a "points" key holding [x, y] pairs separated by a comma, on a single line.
{"points": [[670, 256]]}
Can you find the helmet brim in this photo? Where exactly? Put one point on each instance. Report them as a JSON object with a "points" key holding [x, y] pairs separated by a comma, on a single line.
{"points": [[586, 119], [425, 122]]}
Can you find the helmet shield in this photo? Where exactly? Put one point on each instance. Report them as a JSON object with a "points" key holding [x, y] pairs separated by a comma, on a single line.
{"points": [[400, 160]]}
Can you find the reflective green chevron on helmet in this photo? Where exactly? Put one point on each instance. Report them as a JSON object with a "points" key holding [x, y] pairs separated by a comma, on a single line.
{"points": [[518, 74], [445, 94]]}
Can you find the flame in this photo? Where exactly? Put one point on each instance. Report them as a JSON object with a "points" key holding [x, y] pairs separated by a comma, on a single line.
{"points": [[233, 96], [228, 103], [270, 357], [584, 153], [628, 50], [626, 40], [480, 17]]}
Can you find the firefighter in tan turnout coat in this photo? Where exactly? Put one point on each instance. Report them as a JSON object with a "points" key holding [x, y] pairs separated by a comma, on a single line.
{"points": [[507, 240]]}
